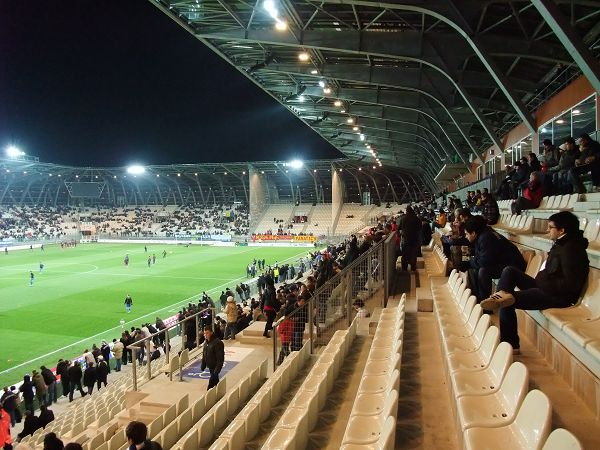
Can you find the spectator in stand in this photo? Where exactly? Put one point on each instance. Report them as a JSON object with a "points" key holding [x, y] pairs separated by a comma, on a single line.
{"points": [[62, 369], [117, 351], [569, 153], [102, 372], [9, 402], [532, 196], [588, 161], [41, 391], [75, 375], [551, 155], [5, 439], [490, 254], [46, 416], [232, 317], [137, 437], [519, 176], [557, 285], [285, 331], [411, 239], [50, 381], [489, 208], [213, 356], [89, 378], [269, 304], [52, 442], [534, 163], [31, 424]]}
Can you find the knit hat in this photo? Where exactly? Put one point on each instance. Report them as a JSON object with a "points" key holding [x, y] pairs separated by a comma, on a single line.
{"points": [[230, 299]]}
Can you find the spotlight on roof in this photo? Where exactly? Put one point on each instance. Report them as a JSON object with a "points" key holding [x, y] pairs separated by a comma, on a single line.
{"points": [[136, 169], [281, 25], [296, 164], [13, 151]]}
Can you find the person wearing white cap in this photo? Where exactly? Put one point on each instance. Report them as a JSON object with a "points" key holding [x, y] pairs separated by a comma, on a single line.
{"points": [[232, 316]]}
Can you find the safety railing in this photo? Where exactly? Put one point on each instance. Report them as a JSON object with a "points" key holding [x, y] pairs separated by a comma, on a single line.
{"points": [[176, 337], [331, 306]]}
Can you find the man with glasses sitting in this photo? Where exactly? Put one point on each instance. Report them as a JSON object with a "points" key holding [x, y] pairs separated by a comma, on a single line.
{"points": [[558, 284]]}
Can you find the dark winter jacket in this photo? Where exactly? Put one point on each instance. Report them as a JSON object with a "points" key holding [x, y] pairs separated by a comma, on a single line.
{"points": [[213, 355], [89, 376], [75, 374], [566, 269], [49, 377], [491, 249]]}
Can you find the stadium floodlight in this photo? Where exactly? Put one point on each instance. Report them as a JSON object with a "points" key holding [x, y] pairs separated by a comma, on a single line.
{"points": [[296, 164], [136, 169], [13, 151]]}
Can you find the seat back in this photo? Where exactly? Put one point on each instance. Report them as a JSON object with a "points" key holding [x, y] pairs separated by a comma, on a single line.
{"points": [[220, 413], [489, 343], [169, 415], [388, 434], [95, 442], [561, 439], [183, 403], [501, 361], [564, 201], [591, 293], [170, 435], [591, 230], [198, 409], [543, 203], [468, 309], [233, 401], [118, 440], [534, 420], [184, 357], [514, 386], [480, 324], [534, 265], [190, 442], [527, 223], [237, 439], [206, 430], [474, 316], [184, 422]]}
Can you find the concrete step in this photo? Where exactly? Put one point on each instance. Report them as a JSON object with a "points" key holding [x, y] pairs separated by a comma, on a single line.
{"points": [[253, 340], [587, 205], [592, 197]]}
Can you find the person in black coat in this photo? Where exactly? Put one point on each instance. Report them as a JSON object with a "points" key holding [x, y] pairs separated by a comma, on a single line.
{"points": [[102, 372], [105, 352], [62, 370], [75, 375], [90, 377], [557, 285], [46, 416], [30, 425], [411, 239], [490, 254], [27, 390], [213, 356]]}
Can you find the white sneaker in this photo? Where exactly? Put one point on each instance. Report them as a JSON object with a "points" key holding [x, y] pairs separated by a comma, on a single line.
{"points": [[500, 299]]}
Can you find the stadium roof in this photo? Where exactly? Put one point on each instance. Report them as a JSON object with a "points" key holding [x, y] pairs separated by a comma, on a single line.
{"points": [[423, 82], [33, 183]]}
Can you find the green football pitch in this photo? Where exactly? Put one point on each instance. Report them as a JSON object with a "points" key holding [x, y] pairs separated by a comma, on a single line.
{"points": [[78, 299]]}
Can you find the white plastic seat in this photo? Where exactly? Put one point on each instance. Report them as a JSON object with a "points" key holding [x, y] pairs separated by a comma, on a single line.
{"points": [[220, 414], [458, 331], [206, 429], [588, 309], [561, 439], [190, 441], [479, 359], [471, 343], [221, 443], [498, 408], [184, 422], [382, 366], [385, 442], [198, 408], [235, 435], [251, 417], [367, 429], [528, 431], [170, 435], [281, 439], [233, 400], [379, 383], [296, 419], [485, 381]]}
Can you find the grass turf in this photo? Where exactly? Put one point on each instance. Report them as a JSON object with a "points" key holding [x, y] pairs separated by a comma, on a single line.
{"points": [[81, 291]]}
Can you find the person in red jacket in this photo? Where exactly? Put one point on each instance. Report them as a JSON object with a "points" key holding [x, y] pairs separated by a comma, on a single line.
{"points": [[285, 331], [5, 440], [532, 195]]}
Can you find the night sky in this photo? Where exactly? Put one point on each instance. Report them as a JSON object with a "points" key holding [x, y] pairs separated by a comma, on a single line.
{"points": [[108, 83]]}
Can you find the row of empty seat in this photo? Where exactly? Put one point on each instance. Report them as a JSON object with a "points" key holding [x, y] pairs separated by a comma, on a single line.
{"points": [[493, 407], [372, 422], [300, 417], [513, 223], [549, 203]]}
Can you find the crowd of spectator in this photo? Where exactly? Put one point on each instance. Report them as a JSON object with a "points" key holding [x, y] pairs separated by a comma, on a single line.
{"points": [[44, 222]]}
